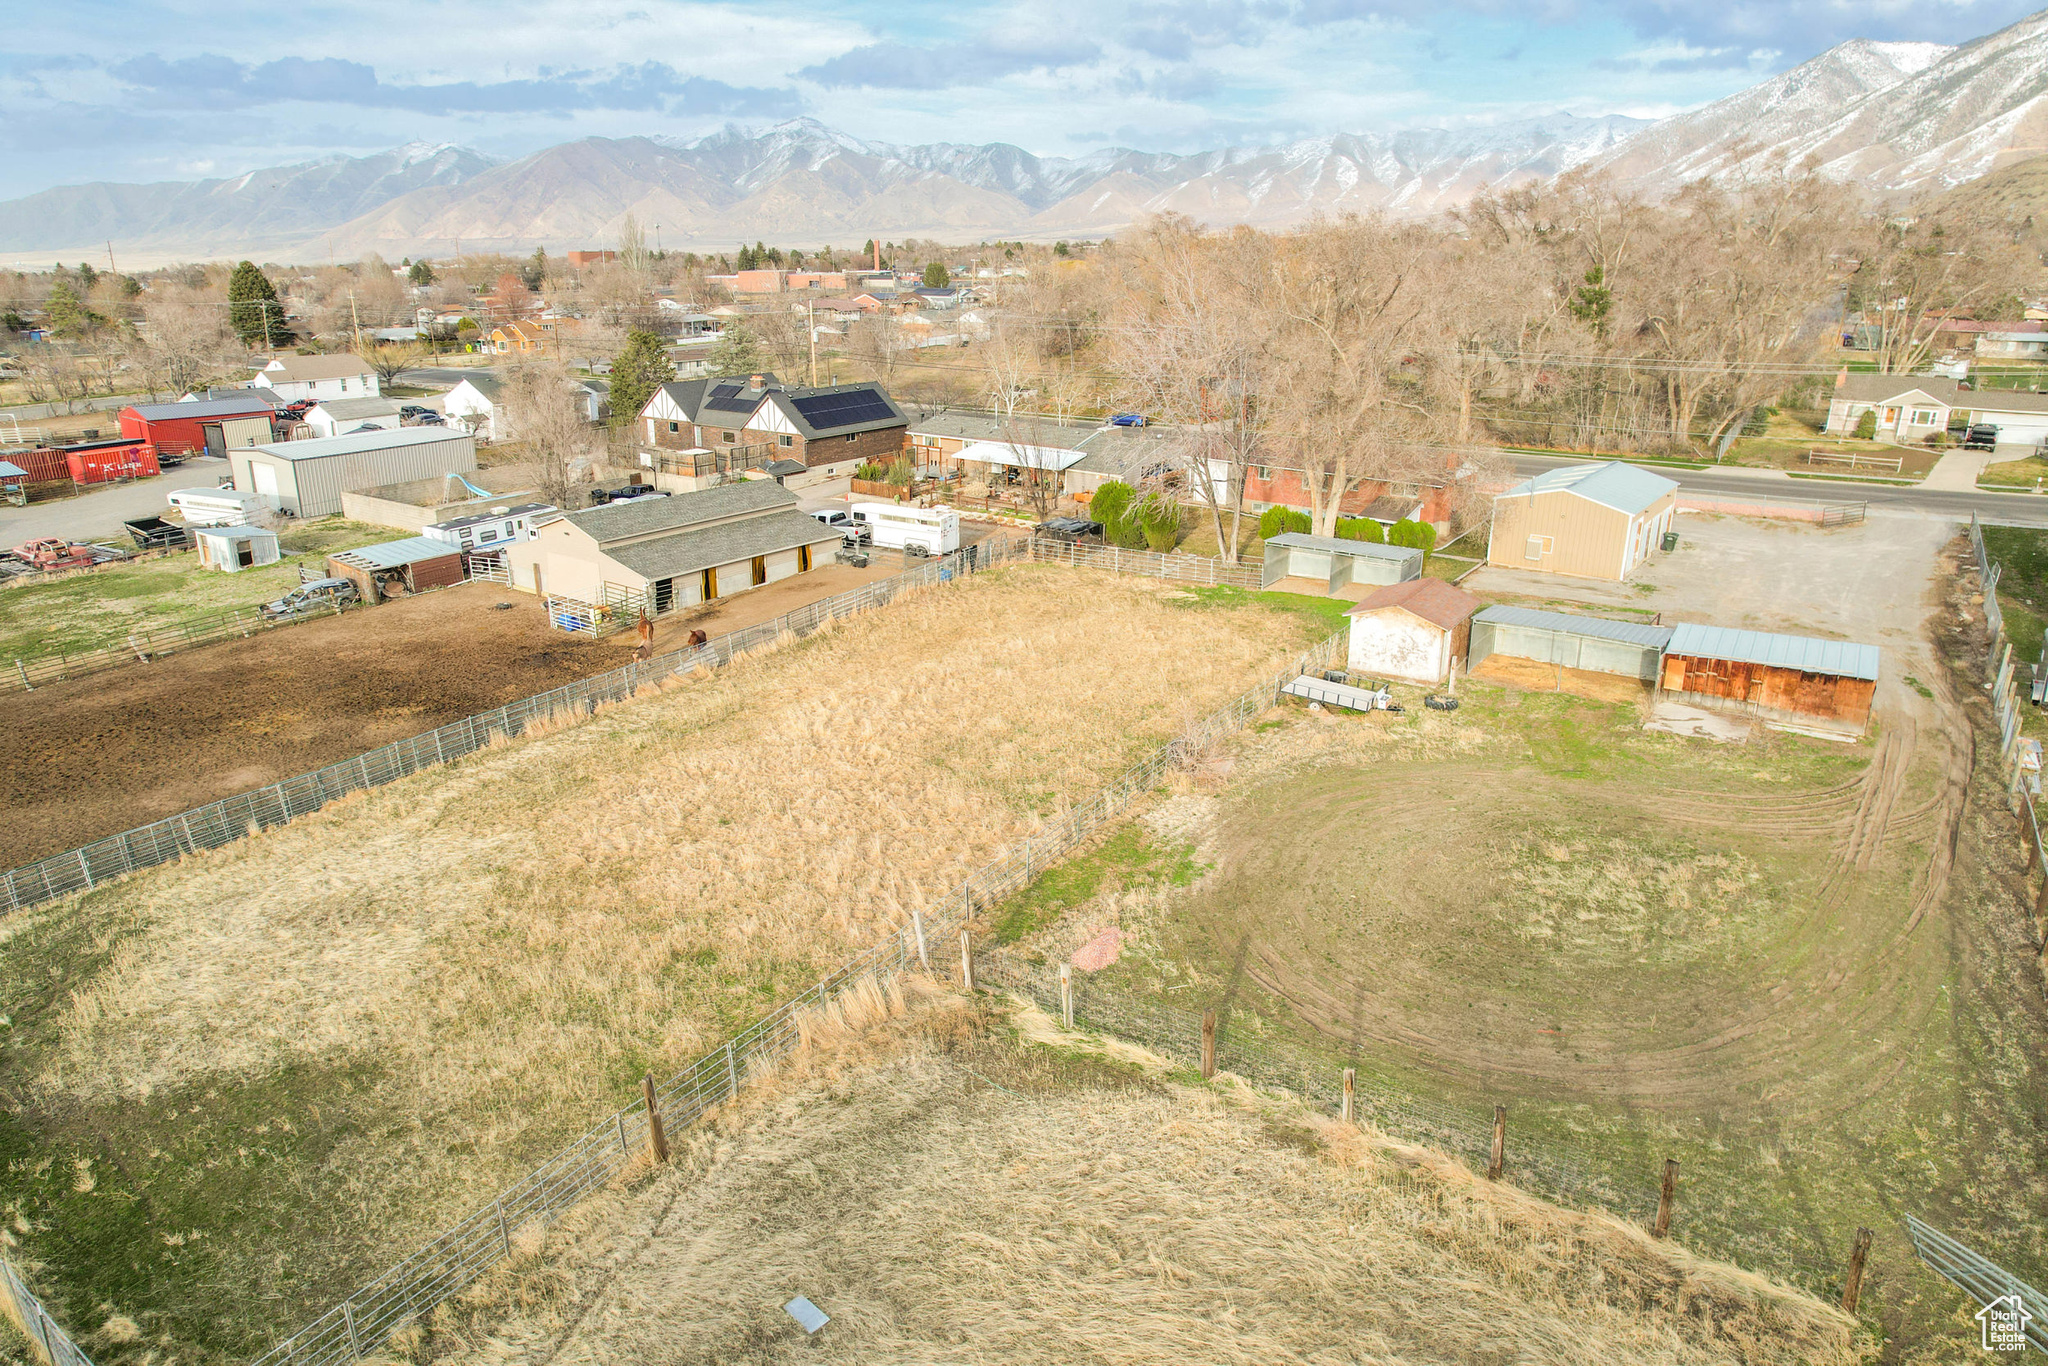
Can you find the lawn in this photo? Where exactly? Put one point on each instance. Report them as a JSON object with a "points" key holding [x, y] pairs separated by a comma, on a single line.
{"points": [[241, 1085], [91, 611], [1643, 946], [2025, 474]]}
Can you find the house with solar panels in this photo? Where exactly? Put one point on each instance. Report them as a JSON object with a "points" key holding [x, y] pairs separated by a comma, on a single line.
{"points": [[829, 430]]}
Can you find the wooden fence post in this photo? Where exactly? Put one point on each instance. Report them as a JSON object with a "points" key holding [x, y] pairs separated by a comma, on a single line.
{"points": [[1852, 1288], [917, 922], [966, 963], [1666, 1197], [1208, 1043], [1499, 1160], [1351, 1095], [1067, 994], [657, 1141]]}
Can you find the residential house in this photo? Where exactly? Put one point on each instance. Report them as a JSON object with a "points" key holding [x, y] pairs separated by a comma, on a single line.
{"points": [[663, 554], [938, 300], [340, 416], [830, 429], [1908, 407], [1087, 454], [520, 339], [1269, 483], [1595, 521], [2014, 345], [476, 405], [296, 378]]}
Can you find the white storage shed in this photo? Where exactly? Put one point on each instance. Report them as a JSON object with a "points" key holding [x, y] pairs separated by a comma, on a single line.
{"points": [[232, 549]]}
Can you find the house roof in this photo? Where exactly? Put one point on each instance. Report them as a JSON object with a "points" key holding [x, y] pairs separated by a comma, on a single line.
{"points": [[201, 408], [1358, 550], [1866, 388], [839, 409], [491, 387], [359, 407], [358, 443], [1989, 403], [1392, 507], [1020, 455], [1570, 623], [1841, 658], [644, 516], [1431, 599], [299, 369], [687, 551], [1610, 483], [232, 533], [396, 554]]}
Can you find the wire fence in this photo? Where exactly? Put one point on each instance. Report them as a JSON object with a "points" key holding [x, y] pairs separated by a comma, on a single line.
{"points": [[462, 1254], [145, 643], [20, 1304], [1987, 1283], [1151, 563]]}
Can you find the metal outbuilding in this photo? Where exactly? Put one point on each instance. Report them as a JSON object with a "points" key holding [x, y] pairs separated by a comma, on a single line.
{"points": [[1630, 649], [392, 568], [232, 549], [1328, 566], [1596, 521], [307, 478], [212, 425], [1771, 675]]}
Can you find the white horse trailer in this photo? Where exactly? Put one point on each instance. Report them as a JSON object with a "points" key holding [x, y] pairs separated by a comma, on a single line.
{"points": [[898, 526]]}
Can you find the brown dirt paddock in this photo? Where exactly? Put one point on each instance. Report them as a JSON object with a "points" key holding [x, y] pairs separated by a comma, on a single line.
{"points": [[1535, 676], [103, 754]]}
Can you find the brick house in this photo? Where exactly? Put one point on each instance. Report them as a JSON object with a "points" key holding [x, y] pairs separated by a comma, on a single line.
{"points": [[1383, 500], [831, 429]]}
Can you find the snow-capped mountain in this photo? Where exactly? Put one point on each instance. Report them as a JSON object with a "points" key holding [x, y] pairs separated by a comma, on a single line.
{"points": [[208, 217]]}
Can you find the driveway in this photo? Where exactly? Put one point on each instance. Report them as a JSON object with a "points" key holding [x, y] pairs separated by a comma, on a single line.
{"points": [[97, 516]]}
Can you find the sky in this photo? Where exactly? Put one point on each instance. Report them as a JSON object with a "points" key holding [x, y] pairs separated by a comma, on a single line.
{"points": [[147, 90]]}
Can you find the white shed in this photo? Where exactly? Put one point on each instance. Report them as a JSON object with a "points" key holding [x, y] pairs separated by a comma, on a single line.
{"points": [[235, 548], [1411, 631]]}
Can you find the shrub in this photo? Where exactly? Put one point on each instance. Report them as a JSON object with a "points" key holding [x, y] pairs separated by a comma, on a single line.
{"points": [[1416, 535], [870, 473], [901, 470], [1276, 520], [1159, 518], [1360, 529], [1866, 426], [1109, 506]]}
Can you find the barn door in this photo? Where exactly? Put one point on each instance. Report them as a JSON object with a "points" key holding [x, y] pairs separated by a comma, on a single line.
{"points": [[710, 584], [216, 444]]}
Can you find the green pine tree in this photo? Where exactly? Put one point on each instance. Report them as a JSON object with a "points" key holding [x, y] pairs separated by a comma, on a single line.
{"points": [[254, 311], [637, 371], [421, 274], [737, 352], [936, 276], [66, 316]]}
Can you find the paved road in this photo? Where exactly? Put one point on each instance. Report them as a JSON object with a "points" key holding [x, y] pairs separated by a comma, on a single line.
{"points": [[2001, 509], [97, 516]]}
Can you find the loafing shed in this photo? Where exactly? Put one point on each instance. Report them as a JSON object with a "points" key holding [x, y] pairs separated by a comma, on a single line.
{"points": [[1329, 567], [1769, 675], [392, 568], [1411, 631], [1595, 644]]}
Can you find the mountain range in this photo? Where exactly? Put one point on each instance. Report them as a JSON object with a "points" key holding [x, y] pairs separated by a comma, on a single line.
{"points": [[1897, 118]]}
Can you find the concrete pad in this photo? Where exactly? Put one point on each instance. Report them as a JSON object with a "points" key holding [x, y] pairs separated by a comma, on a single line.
{"points": [[1676, 718], [1959, 470]]}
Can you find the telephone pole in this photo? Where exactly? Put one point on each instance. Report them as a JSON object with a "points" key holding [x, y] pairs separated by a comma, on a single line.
{"points": [[811, 323], [356, 319]]}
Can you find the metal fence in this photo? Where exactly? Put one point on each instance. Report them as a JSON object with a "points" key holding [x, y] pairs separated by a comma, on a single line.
{"points": [[461, 1255], [145, 643], [1983, 1281], [227, 820], [1150, 563], [2001, 667], [19, 1303]]}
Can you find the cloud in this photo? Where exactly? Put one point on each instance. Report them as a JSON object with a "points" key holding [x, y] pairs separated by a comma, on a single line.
{"points": [[1806, 27], [900, 66], [216, 82]]}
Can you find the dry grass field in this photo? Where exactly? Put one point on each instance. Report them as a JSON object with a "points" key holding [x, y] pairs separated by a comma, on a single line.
{"points": [[237, 1085], [964, 1184]]}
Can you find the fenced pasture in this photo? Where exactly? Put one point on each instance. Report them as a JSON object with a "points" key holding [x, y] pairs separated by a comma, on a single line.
{"points": [[421, 990]]}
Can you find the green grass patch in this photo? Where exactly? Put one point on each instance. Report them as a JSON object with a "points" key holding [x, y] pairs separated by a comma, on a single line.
{"points": [[1128, 858], [92, 611], [1320, 616], [2024, 474]]}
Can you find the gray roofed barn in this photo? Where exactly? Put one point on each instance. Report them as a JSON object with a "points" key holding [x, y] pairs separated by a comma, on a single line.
{"points": [[725, 543], [617, 522]]}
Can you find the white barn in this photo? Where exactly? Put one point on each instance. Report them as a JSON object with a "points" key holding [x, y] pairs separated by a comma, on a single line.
{"points": [[1411, 631]]}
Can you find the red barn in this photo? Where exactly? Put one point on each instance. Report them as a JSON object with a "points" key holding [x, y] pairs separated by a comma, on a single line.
{"points": [[209, 426]]}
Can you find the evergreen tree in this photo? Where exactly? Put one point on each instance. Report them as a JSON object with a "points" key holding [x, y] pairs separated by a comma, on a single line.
{"points": [[1111, 506], [737, 352], [254, 311], [936, 276], [421, 274], [67, 317], [535, 272], [637, 371]]}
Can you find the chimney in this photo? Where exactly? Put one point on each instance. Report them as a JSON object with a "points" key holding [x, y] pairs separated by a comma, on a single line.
{"points": [[755, 381]]}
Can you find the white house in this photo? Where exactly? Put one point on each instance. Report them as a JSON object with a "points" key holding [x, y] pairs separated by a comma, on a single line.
{"points": [[477, 406], [340, 416], [318, 378]]}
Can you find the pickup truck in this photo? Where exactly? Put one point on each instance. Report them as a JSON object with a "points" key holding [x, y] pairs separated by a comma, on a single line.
{"points": [[1982, 436], [852, 530]]}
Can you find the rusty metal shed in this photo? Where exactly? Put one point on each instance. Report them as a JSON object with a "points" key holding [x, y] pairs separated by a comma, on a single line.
{"points": [[1771, 675]]}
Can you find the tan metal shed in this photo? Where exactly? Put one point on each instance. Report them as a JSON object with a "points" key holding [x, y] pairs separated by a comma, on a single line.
{"points": [[1591, 521]]}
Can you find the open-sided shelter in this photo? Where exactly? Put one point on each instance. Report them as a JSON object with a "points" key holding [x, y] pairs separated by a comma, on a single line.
{"points": [[393, 568], [1772, 676], [1594, 521], [1630, 649], [1328, 566]]}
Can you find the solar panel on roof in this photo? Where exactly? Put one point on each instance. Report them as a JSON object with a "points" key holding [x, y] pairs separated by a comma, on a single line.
{"points": [[844, 410], [728, 398]]}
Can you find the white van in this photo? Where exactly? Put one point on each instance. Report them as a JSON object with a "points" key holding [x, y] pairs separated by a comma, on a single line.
{"points": [[896, 526]]}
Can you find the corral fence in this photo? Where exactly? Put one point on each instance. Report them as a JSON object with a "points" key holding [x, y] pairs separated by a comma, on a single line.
{"points": [[930, 939], [1147, 563], [2001, 681], [145, 643], [222, 822], [44, 1333], [2025, 1308], [1844, 514]]}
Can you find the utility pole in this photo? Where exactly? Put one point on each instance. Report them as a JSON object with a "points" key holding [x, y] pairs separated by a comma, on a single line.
{"points": [[811, 323], [357, 320], [110, 259]]}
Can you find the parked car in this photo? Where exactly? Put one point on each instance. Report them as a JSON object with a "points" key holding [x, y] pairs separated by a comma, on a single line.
{"points": [[297, 410], [1982, 436], [415, 410], [1128, 420], [318, 596], [852, 530], [1068, 528]]}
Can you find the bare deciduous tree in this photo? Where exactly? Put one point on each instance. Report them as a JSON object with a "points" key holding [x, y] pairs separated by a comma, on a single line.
{"points": [[546, 412]]}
